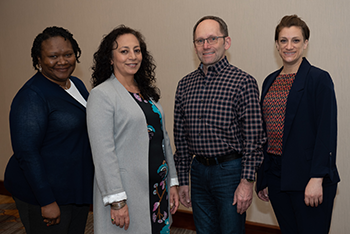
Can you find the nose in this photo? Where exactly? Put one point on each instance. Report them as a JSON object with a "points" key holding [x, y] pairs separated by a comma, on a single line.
{"points": [[289, 45], [62, 60], [132, 55], [206, 44]]}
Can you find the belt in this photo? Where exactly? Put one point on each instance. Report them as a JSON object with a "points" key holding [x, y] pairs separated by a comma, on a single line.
{"points": [[210, 161]]}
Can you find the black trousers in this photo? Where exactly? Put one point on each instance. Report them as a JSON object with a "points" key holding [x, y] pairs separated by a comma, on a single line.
{"points": [[73, 219], [293, 215]]}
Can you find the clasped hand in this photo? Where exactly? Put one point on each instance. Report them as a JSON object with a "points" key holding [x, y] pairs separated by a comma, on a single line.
{"points": [[51, 214]]}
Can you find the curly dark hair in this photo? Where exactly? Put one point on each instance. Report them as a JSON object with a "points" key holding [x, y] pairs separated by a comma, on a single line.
{"points": [[144, 77], [48, 33]]}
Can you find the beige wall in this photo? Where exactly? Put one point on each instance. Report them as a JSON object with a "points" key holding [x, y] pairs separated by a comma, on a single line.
{"points": [[167, 26]]}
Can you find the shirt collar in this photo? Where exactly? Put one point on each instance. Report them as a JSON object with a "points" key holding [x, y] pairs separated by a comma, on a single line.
{"points": [[217, 67]]}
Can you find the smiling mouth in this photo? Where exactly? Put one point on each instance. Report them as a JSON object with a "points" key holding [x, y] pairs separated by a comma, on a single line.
{"points": [[62, 69], [209, 53]]}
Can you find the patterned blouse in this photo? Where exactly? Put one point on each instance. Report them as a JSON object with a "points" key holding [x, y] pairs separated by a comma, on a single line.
{"points": [[274, 111]]}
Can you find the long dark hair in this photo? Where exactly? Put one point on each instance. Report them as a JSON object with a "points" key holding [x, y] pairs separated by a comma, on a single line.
{"points": [[144, 77]]}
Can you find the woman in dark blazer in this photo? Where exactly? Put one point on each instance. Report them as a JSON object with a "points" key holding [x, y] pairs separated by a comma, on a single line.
{"points": [[300, 118], [50, 174]]}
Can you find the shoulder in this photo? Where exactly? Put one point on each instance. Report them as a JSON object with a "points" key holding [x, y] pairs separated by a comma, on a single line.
{"points": [[237, 78], [318, 76], [108, 91], [272, 75], [190, 77], [240, 74], [318, 72], [79, 84], [35, 86], [77, 81], [105, 87], [313, 73]]}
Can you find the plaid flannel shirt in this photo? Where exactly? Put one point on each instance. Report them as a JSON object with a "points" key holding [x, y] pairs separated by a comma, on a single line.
{"points": [[215, 115]]}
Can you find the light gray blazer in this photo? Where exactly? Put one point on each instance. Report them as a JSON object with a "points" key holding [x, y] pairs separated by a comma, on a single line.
{"points": [[120, 146]]}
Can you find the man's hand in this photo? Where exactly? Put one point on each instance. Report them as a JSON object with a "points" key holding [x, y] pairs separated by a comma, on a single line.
{"points": [[174, 200], [314, 192], [243, 196], [184, 194]]}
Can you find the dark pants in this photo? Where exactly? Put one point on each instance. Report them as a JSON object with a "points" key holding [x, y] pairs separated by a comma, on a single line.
{"points": [[293, 215], [212, 192], [73, 219]]}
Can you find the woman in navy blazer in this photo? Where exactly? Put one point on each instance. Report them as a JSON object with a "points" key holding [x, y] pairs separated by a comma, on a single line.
{"points": [[50, 174], [300, 117]]}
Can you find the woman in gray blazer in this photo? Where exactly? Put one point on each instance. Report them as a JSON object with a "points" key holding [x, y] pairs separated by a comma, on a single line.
{"points": [[135, 176]]}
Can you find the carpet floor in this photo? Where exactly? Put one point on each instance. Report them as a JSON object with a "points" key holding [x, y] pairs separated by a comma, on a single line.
{"points": [[10, 222]]}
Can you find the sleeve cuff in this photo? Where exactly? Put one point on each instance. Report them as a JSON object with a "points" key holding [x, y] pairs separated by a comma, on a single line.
{"points": [[114, 198], [174, 182]]}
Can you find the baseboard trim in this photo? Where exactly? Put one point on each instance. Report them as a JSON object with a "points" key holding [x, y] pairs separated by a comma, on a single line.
{"points": [[184, 219], [253, 227]]}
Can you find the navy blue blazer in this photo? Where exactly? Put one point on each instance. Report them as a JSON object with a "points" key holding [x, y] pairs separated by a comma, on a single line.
{"points": [[52, 159], [310, 130]]}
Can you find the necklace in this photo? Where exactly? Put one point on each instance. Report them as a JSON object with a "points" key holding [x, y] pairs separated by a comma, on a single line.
{"points": [[66, 85]]}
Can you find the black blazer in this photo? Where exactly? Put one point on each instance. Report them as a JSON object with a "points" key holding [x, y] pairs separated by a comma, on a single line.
{"points": [[52, 158], [310, 130]]}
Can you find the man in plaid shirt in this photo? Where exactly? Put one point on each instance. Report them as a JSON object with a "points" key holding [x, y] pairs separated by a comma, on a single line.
{"points": [[218, 134]]}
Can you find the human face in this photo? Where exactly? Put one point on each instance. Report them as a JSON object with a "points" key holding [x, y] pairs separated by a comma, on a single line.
{"points": [[210, 54], [57, 59], [127, 58], [291, 45]]}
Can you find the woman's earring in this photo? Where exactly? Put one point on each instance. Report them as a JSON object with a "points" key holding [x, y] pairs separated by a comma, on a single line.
{"points": [[39, 67]]}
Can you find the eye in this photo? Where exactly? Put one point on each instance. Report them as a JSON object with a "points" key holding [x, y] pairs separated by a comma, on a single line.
{"points": [[69, 55], [124, 52], [283, 40], [200, 41], [53, 56], [137, 51], [212, 39], [296, 40]]}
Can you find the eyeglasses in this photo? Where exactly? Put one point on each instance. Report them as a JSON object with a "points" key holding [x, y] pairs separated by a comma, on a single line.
{"points": [[210, 41]]}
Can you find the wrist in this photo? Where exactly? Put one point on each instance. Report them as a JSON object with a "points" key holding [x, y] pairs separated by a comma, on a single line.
{"points": [[247, 183], [118, 205], [317, 180]]}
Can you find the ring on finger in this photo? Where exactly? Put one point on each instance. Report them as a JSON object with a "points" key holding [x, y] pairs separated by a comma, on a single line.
{"points": [[112, 220]]}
